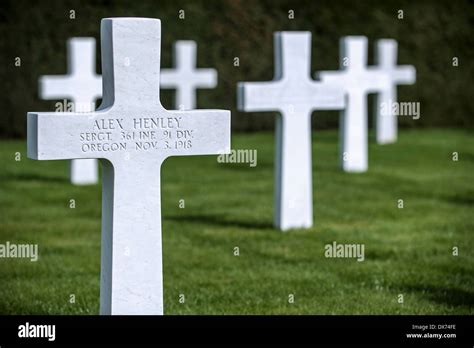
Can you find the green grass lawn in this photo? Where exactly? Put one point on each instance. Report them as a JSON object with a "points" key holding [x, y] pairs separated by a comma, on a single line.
{"points": [[408, 251]]}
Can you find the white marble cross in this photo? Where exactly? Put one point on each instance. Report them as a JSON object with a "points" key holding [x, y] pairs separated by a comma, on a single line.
{"points": [[358, 81], [185, 77], [132, 134], [295, 96], [386, 60], [82, 86]]}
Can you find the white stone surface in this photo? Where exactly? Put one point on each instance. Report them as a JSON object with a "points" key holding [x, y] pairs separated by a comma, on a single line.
{"points": [[82, 86], [185, 77], [132, 134], [295, 96], [386, 61], [358, 81]]}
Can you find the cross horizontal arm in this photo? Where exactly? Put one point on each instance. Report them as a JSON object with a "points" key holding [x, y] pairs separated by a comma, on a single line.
{"points": [[405, 75], [201, 132], [206, 78], [169, 78], [369, 80], [55, 87], [201, 78], [331, 76], [260, 96], [56, 136], [78, 90]]}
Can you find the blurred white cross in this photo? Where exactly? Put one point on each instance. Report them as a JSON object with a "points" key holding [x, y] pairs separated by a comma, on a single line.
{"points": [[386, 59], [295, 96], [185, 77], [82, 86], [358, 81]]}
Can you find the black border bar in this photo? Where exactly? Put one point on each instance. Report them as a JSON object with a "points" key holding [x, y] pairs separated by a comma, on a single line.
{"points": [[260, 330]]}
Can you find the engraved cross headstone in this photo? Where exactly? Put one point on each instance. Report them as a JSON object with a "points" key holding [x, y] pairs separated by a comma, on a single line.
{"points": [[295, 96], [357, 80], [132, 134], [185, 77], [386, 60], [82, 86]]}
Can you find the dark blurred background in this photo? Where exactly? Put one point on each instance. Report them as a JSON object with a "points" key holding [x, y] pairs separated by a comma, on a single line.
{"points": [[429, 36]]}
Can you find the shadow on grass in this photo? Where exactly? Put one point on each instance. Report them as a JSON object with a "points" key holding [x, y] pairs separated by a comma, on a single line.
{"points": [[217, 220], [244, 167], [35, 177], [466, 156], [462, 199], [443, 295]]}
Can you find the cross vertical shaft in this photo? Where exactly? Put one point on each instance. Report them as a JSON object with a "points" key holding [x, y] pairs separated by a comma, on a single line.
{"points": [[293, 171], [131, 274]]}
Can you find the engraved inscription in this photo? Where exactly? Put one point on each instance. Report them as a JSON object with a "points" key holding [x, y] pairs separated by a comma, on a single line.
{"points": [[137, 134]]}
